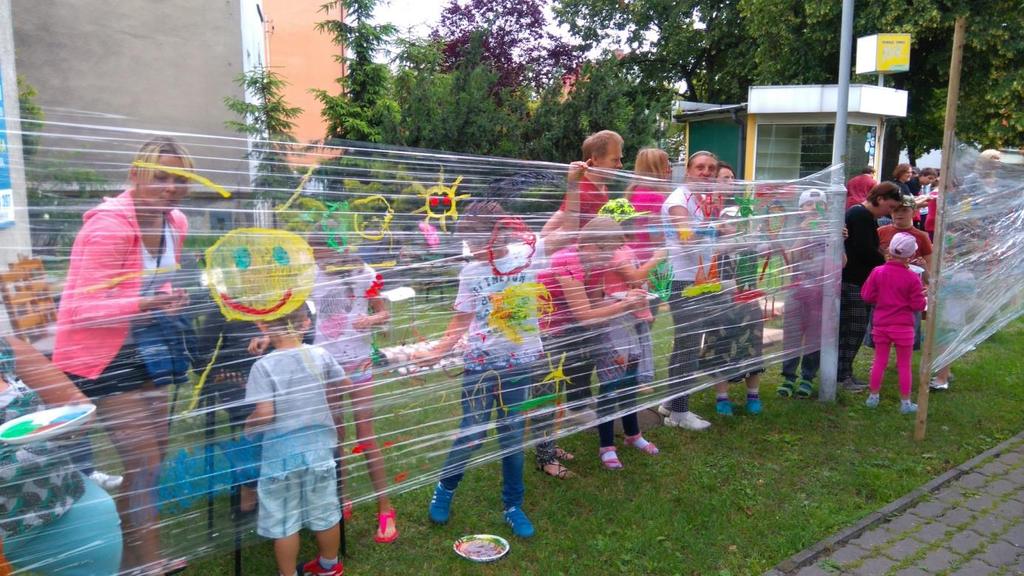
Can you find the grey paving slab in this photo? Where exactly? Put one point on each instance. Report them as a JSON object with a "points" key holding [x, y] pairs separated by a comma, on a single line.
{"points": [[903, 523], [975, 568], [912, 571], [874, 567], [1011, 509], [872, 538], [965, 542], [814, 571], [929, 509], [967, 521], [937, 560], [1000, 487], [1002, 553], [996, 467], [849, 554], [1013, 457], [957, 517], [991, 523], [902, 549], [981, 502], [931, 532], [1015, 535], [973, 480]]}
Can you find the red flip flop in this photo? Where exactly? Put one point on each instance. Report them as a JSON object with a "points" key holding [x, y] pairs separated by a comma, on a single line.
{"points": [[382, 521]]}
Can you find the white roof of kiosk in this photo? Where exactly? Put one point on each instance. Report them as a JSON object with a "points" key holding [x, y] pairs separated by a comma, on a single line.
{"points": [[819, 98]]}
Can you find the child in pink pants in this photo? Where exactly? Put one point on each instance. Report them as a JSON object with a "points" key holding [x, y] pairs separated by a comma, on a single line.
{"points": [[896, 293]]}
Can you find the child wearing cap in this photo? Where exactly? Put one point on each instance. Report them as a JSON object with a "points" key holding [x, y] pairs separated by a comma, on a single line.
{"points": [[801, 319], [896, 293]]}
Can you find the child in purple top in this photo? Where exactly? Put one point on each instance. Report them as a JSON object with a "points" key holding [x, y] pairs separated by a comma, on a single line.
{"points": [[896, 293]]}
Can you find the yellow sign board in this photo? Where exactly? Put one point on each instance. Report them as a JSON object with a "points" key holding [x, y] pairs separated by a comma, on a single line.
{"points": [[893, 53], [883, 54]]}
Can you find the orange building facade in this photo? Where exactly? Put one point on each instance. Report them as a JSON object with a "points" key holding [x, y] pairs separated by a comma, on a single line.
{"points": [[303, 57]]}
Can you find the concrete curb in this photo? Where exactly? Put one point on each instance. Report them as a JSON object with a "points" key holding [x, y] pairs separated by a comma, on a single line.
{"points": [[826, 546]]}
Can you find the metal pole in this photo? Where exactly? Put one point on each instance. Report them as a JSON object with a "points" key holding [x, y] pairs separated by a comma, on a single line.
{"points": [[948, 141], [833, 268]]}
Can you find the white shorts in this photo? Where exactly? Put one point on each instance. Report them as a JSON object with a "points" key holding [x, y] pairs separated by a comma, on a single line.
{"points": [[305, 498]]}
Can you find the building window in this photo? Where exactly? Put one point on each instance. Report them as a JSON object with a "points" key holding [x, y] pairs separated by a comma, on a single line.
{"points": [[791, 151]]}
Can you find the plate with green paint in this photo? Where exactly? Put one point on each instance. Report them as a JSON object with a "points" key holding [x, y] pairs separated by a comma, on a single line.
{"points": [[46, 424]]}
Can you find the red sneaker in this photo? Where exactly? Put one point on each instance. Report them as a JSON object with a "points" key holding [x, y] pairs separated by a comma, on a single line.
{"points": [[313, 568]]}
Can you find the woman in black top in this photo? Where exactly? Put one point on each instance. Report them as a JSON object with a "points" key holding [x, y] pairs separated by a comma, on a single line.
{"points": [[863, 255]]}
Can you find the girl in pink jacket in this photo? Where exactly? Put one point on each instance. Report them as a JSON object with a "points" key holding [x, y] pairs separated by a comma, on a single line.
{"points": [[896, 293]]}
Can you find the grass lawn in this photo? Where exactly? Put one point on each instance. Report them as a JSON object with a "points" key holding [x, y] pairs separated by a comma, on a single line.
{"points": [[734, 500]]}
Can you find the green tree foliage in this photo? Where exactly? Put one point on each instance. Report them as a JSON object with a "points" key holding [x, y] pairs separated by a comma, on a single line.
{"points": [[365, 107], [269, 117], [269, 120], [668, 41], [604, 97], [721, 48], [462, 110], [31, 118], [797, 43]]}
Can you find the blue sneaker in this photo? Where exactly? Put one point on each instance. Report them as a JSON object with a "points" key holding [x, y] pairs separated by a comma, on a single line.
{"points": [[872, 401], [723, 407], [753, 406], [521, 525], [440, 504], [908, 408]]}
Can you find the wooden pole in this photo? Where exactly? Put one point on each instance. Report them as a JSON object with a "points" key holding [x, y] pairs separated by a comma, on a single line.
{"points": [[948, 142]]}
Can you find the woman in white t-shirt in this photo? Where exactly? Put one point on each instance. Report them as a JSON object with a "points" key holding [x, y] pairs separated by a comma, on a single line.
{"points": [[685, 215]]}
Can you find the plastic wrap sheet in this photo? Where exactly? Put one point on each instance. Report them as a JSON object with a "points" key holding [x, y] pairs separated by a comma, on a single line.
{"points": [[981, 287], [375, 258]]}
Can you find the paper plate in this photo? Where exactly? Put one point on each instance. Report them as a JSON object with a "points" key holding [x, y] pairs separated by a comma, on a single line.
{"points": [[622, 296], [481, 547], [45, 424]]}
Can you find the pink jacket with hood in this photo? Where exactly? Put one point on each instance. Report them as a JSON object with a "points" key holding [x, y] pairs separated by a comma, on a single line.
{"points": [[101, 294]]}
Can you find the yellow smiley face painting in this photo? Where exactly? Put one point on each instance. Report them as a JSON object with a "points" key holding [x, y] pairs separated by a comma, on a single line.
{"points": [[259, 274]]}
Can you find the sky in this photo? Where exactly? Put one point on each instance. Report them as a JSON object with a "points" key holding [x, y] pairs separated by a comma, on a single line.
{"points": [[420, 15]]}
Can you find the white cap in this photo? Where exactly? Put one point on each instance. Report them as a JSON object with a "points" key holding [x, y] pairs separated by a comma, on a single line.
{"points": [[812, 195]]}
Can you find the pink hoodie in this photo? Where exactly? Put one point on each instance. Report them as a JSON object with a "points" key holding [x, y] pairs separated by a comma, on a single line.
{"points": [[101, 294], [896, 293]]}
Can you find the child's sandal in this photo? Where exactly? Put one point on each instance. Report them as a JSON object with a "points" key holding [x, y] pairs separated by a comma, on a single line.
{"points": [[805, 389], [787, 389], [642, 444], [609, 459], [382, 526], [557, 470]]}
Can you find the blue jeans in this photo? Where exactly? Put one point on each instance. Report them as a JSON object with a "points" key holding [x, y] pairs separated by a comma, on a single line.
{"points": [[615, 396], [482, 393]]}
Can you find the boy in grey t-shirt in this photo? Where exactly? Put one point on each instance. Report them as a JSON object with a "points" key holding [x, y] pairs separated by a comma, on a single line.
{"points": [[296, 391]]}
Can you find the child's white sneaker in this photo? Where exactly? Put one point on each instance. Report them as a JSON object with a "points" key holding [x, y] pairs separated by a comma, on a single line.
{"points": [[106, 481], [872, 401], [686, 420], [908, 408]]}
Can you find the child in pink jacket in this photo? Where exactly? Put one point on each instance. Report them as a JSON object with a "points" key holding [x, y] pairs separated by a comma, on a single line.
{"points": [[896, 293]]}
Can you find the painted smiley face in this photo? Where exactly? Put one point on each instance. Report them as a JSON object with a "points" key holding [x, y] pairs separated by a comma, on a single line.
{"points": [[259, 274]]}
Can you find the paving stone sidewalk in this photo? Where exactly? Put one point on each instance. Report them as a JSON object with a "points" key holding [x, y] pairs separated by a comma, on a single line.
{"points": [[973, 525]]}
